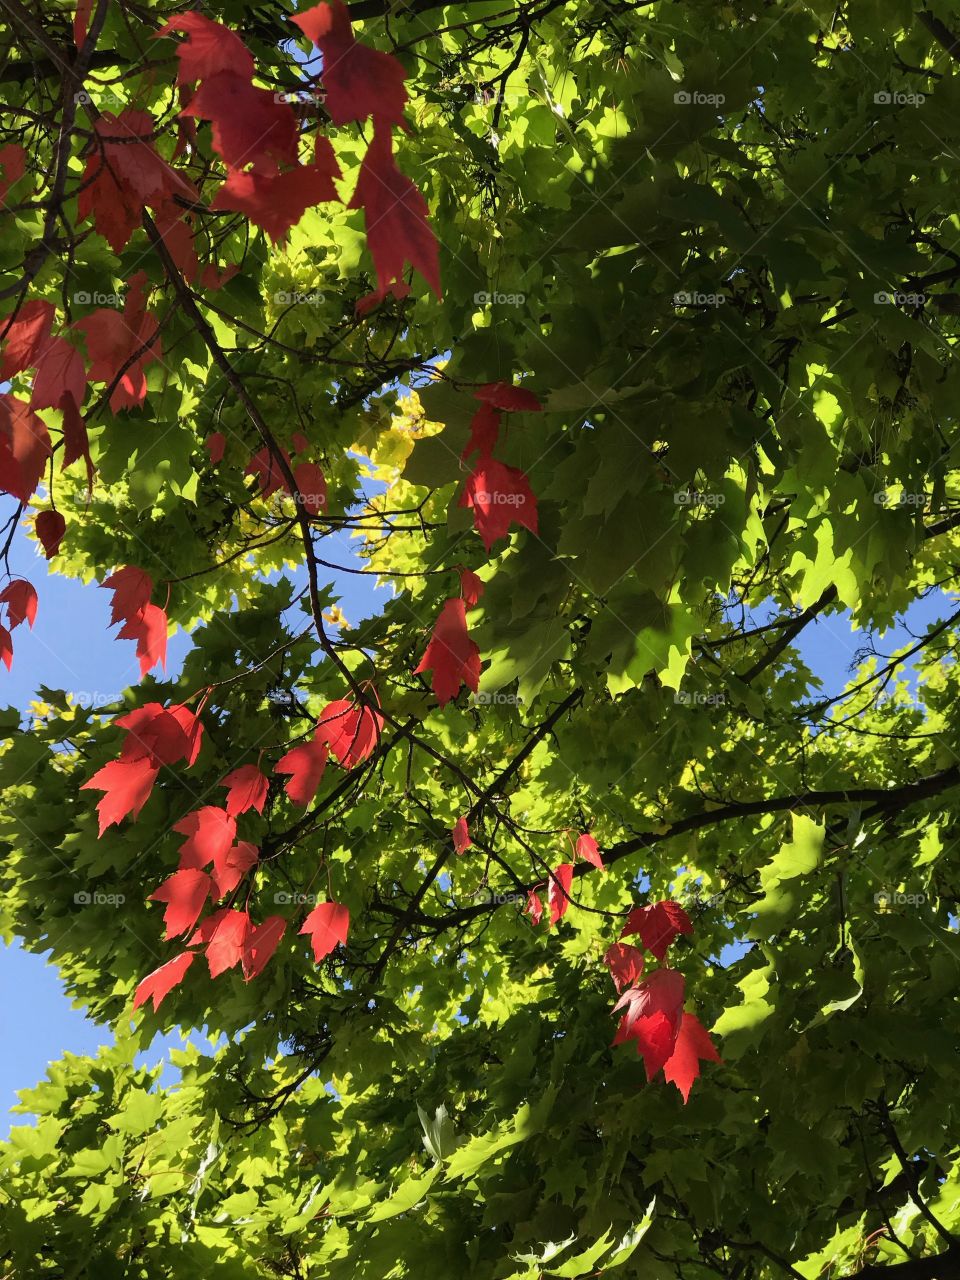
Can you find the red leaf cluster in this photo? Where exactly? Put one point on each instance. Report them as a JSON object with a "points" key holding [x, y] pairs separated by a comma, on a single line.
{"points": [[142, 621]]}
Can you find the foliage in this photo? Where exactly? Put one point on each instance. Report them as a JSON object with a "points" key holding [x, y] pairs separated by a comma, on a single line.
{"points": [[688, 390]]}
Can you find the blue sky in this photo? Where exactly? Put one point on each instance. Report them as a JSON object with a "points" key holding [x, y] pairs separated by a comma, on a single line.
{"points": [[71, 647]]}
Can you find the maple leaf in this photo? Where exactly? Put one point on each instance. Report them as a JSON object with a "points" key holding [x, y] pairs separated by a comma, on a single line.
{"points": [[216, 444], [157, 986], [127, 785], [659, 993], [657, 925], [277, 203], [24, 448], [311, 487], [131, 589], [228, 941], [81, 20], [305, 765], [124, 341], [246, 789], [693, 1044], [20, 597], [451, 655], [59, 371], [149, 629], [351, 732], [13, 165], [50, 527], [506, 396], [499, 496], [358, 81], [76, 444], [210, 833], [461, 836], [625, 964], [589, 850], [6, 647], [230, 868], [534, 907], [192, 726], [250, 127], [208, 49], [262, 942], [327, 925], [396, 220], [25, 338], [484, 432], [471, 588], [266, 468], [152, 731], [184, 892], [559, 891]]}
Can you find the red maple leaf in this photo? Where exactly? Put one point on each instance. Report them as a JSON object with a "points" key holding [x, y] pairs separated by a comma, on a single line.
{"points": [[26, 337], [277, 203], [327, 925], [471, 588], [589, 850], [20, 597], [311, 487], [506, 396], [484, 432], [131, 589], [654, 1009], [250, 127], [155, 733], [262, 942], [208, 49], [210, 833], [499, 496], [13, 165], [657, 925], [534, 907], [184, 892], [50, 527], [351, 732], [246, 789], [625, 964], [461, 836], [157, 986], [81, 20], [216, 444], [120, 345], [266, 468], [230, 868], [6, 647], [396, 220], [149, 629], [24, 448], [305, 765], [559, 891], [451, 655], [192, 726], [358, 81], [228, 941], [127, 785], [692, 1044], [59, 371], [76, 443]]}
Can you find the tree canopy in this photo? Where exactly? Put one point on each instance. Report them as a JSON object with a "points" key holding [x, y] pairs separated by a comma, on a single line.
{"points": [[617, 337]]}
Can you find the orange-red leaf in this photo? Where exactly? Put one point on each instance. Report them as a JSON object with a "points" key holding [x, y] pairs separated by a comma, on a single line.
{"points": [[149, 629], [24, 448], [589, 850], [499, 496], [208, 49], [262, 942], [625, 964], [351, 732], [559, 893], [210, 833], [20, 597], [157, 986], [246, 789], [461, 836], [327, 925], [657, 925], [693, 1044], [50, 527], [127, 785], [451, 655], [358, 81], [304, 765], [184, 892]]}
